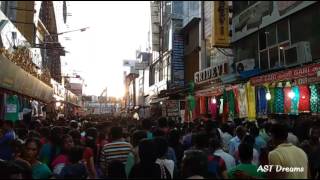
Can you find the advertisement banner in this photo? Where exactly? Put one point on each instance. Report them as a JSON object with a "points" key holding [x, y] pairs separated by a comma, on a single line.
{"points": [[308, 71], [220, 35]]}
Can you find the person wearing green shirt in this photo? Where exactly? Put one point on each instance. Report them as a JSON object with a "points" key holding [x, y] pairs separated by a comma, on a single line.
{"points": [[245, 169]]}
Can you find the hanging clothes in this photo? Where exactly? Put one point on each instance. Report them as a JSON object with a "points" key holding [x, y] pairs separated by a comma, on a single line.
{"points": [[279, 100], [203, 107], [251, 95], [213, 109], [287, 100], [304, 101], [295, 101], [231, 103], [225, 106], [236, 102], [314, 99], [262, 102], [243, 102], [271, 102], [2, 105], [12, 108]]}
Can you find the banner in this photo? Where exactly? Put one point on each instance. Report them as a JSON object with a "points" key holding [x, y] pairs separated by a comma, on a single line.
{"points": [[308, 73]]}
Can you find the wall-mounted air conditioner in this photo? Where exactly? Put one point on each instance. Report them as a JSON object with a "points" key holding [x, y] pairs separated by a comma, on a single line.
{"points": [[245, 65], [298, 53]]}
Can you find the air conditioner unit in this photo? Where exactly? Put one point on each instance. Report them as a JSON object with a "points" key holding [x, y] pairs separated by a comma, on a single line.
{"points": [[245, 65], [298, 53]]}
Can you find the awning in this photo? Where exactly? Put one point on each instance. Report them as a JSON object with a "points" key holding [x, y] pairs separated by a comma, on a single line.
{"points": [[153, 101], [14, 78]]}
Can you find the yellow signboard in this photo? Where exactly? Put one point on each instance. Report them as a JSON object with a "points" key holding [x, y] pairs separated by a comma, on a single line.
{"points": [[220, 20]]}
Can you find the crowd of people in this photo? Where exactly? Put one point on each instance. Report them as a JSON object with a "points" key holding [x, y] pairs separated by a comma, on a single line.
{"points": [[158, 148]]}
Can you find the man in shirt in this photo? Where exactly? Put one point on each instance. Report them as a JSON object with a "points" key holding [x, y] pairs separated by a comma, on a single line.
{"points": [[234, 142], [118, 149], [286, 155], [216, 145], [245, 169]]}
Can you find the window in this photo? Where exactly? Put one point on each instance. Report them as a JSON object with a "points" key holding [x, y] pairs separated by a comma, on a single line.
{"points": [[239, 6], [187, 39], [271, 35], [305, 26], [160, 71], [264, 63], [151, 75], [274, 58], [246, 49], [283, 30]]}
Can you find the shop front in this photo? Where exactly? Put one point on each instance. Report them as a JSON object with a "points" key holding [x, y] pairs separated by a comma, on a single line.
{"points": [[21, 94]]}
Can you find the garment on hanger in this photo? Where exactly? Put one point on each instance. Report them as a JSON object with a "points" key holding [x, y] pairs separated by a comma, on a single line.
{"points": [[304, 101], [295, 101], [251, 95], [279, 100], [262, 102], [243, 102]]}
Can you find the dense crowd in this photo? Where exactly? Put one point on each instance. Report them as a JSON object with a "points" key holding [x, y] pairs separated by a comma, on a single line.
{"points": [[158, 148]]}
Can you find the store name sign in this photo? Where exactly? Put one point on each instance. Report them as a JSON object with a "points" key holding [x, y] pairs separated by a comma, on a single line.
{"points": [[211, 73], [308, 71]]}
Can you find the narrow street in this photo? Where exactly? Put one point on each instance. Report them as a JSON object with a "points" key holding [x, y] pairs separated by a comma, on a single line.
{"points": [[159, 90]]}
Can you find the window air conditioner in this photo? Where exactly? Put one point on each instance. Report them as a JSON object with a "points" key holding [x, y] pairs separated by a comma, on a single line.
{"points": [[298, 53], [245, 65]]}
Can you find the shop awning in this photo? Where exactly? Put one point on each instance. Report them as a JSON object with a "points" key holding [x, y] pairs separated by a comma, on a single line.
{"points": [[14, 78], [153, 101]]}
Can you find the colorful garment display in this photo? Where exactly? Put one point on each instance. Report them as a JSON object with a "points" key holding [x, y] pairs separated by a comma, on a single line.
{"points": [[243, 102], [287, 100], [203, 107], [272, 100], [279, 100], [231, 103], [295, 101], [304, 101], [251, 97], [314, 99], [225, 106], [261, 102], [236, 102], [213, 109]]}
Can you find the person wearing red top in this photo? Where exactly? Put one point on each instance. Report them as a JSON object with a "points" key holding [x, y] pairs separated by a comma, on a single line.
{"points": [[90, 151]]}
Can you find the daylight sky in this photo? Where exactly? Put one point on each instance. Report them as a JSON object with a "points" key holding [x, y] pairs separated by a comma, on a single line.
{"points": [[116, 31]]}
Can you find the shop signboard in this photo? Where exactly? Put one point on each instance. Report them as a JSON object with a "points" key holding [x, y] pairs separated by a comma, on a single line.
{"points": [[177, 64], [220, 35], [309, 72], [211, 73], [172, 107]]}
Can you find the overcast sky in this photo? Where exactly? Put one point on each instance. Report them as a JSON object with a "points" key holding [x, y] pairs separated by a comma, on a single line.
{"points": [[117, 30]]}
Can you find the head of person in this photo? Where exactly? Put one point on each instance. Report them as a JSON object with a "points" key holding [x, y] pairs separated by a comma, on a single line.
{"points": [[162, 122], [240, 132], [74, 124], [245, 153], [12, 170], [32, 149], [200, 140], [137, 136], [67, 143], [158, 132], [147, 151], [146, 124], [34, 134], [18, 148], [254, 131], [215, 143], [75, 154], [45, 132], [76, 136], [161, 146], [279, 133], [248, 139], [315, 134], [194, 163], [174, 137], [116, 133], [116, 170], [7, 125], [56, 135], [91, 137]]}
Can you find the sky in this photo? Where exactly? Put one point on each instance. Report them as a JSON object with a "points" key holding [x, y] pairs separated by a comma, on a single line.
{"points": [[116, 30]]}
